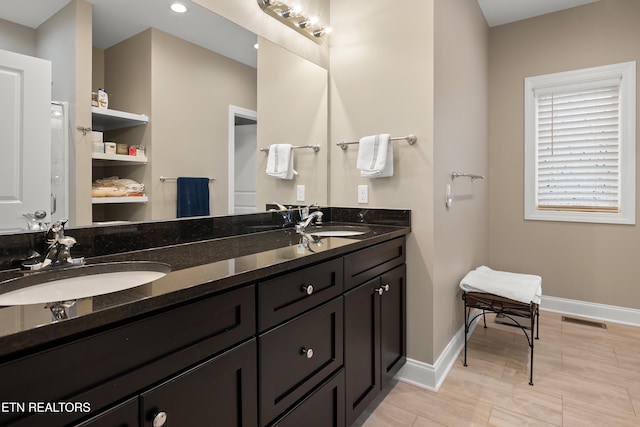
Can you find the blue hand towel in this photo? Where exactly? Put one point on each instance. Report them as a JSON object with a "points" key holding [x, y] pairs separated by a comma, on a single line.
{"points": [[193, 197]]}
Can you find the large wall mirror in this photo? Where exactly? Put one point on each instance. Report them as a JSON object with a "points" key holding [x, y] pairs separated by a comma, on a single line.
{"points": [[213, 101]]}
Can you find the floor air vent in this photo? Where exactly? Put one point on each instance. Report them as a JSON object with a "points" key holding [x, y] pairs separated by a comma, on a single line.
{"points": [[584, 322]]}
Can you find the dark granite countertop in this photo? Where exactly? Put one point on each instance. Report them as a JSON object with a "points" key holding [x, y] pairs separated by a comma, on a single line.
{"points": [[199, 269]]}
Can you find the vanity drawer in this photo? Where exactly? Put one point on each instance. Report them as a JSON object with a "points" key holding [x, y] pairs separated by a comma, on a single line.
{"points": [[371, 262], [286, 296], [105, 367], [324, 408], [297, 356]]}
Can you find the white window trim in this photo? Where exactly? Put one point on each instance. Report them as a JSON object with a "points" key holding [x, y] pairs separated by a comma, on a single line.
{"points": [[627, 73]]}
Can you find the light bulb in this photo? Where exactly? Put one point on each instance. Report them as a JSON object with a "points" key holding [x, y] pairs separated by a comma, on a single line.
{"points": [[178, 7]]}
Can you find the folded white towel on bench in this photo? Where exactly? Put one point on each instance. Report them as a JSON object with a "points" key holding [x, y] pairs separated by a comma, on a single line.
{"points": [[525, 288]]}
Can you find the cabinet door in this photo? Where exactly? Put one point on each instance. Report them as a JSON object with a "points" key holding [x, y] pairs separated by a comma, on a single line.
{"points": [[362, 347], [221, 392], [122, 415], [393, 325]]}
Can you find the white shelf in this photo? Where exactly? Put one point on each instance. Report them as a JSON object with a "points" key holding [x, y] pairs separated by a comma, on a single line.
{"points": [[104, 119], [118, 159], [111, 200]]}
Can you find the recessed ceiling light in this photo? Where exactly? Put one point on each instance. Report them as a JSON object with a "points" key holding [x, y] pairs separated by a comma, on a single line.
{"points": [[178, 7]]}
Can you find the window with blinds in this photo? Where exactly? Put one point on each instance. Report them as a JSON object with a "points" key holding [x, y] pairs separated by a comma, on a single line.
{"points": [[580, 145]]}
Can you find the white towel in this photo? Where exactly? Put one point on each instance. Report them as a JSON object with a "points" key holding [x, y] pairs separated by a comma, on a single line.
{"points": [[525, 288], [375, 156], [280, 161]]}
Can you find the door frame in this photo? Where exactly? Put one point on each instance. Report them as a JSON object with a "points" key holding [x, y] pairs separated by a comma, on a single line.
{"points": [[235, 111]]}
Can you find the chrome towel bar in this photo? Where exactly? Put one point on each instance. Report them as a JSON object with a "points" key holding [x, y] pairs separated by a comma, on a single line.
{"points": [[315, 147], [472, 176], [411, 139], [165, 178]]}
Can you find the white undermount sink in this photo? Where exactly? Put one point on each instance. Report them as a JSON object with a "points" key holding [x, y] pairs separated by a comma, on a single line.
{"points": [[337, 230], [79, 282]]}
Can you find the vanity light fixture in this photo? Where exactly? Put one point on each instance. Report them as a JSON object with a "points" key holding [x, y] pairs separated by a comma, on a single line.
{"points": [[293, 17], [178, 7]]}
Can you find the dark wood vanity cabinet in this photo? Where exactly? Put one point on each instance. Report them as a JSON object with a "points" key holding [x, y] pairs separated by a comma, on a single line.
{"points": [[296, 356], [375, 337], [122, 415], [324, 408], [219, 392], [310, 347], [107, 367]]}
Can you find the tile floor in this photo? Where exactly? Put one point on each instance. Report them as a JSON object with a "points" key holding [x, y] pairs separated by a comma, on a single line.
{"points": [[583, 376]]}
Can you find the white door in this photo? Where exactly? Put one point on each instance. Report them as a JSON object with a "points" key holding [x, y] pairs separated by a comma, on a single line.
{"points": [[242, 160], [25, 138]]}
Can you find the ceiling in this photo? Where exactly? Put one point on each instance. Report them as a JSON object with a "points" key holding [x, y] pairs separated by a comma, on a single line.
{"points": [[498, 12], [116, 20]]}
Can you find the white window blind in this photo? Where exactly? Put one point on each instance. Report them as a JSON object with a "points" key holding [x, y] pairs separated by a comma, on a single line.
{"points": [[580, 143], [578, 148]]}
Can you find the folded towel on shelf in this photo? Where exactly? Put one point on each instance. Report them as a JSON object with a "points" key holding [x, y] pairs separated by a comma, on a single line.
{"points": [[114, 186], [193, 197], [525, 288], [375, 156], [280, 161]]}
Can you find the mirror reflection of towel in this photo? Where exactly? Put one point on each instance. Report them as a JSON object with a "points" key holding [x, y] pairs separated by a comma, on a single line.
{"points": [[280, 161], [193, 197]]}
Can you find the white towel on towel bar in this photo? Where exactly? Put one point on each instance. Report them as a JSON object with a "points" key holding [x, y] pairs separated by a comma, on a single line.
{"points": [[525, 288], [280, 161], [375, 156]]}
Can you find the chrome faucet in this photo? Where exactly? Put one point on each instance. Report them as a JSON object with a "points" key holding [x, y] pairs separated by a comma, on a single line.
{"points": [[34, 220], [59, 251], [285, 213], [308, 219]]}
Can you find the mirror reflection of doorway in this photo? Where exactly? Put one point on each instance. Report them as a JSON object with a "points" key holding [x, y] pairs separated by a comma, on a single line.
{"points": [[59, 161], [243, 150]]}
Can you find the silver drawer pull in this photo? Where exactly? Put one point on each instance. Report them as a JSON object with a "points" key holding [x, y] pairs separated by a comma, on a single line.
{"points": [[307, 289], [307, 351], [382, 289], [159, 419]]}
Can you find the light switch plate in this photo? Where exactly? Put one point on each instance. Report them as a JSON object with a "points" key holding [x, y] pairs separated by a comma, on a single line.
{"points": [[300, 193]]}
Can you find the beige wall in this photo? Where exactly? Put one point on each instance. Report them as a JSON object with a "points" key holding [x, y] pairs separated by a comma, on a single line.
{"points": [[248, 14], [461, 145], [423, 72], [382, 81], [17, 38], [71, 27], [292, 109], [128, 81], [586, 262], [186, 91]]}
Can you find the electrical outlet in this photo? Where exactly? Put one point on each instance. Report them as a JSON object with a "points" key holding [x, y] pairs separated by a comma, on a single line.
{"points": [[363, 194], [300, 193]]}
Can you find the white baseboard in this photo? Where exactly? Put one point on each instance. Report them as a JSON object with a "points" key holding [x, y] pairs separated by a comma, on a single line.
{"points": [[431, 377], [612, 313]]}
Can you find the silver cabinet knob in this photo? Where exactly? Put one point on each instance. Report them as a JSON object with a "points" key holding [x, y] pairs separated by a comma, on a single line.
{"points": [[382, 289], [307, 351], [159, 419], [307, 289]]}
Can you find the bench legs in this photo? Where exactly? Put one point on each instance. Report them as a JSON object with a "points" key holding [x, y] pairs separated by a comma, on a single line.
{"points": [[506, 307]]}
